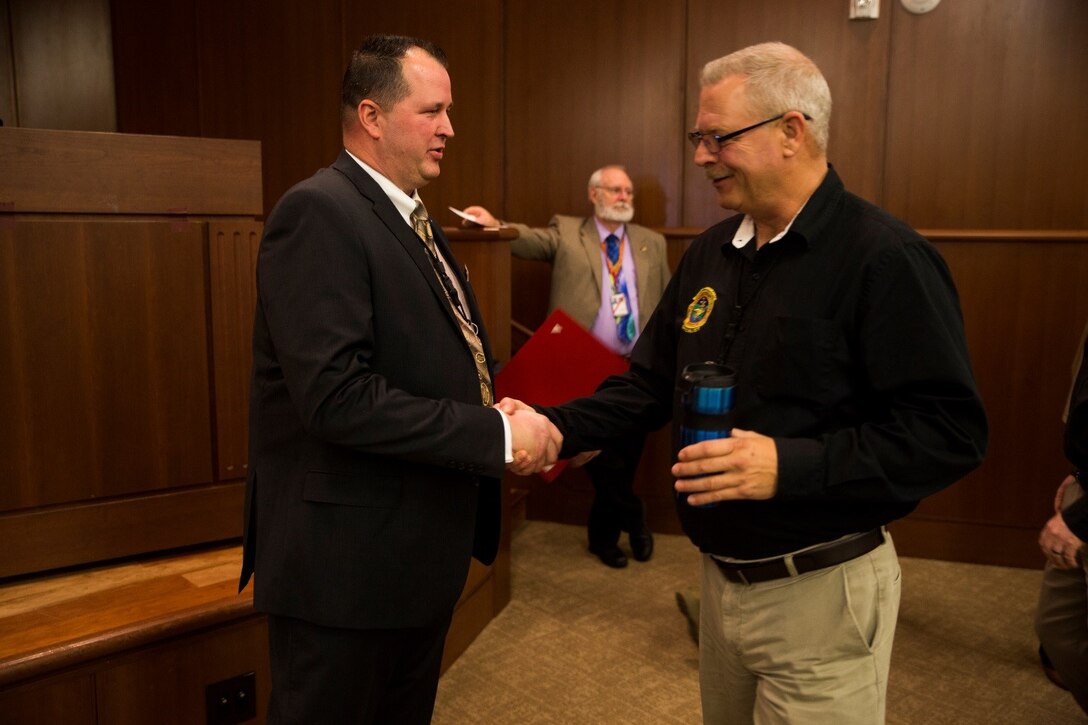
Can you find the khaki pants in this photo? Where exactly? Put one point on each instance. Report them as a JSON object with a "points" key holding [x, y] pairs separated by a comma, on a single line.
{"points": [[805, 650]]}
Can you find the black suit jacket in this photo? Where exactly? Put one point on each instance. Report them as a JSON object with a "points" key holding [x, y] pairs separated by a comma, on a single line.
{"points": [[373, 466]]}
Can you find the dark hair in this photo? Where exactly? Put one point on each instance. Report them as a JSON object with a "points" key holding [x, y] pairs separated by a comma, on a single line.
{"points": [[375, 70]]}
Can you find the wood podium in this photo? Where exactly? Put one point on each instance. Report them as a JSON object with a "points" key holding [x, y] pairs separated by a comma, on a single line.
{"points": [[127, 293]]}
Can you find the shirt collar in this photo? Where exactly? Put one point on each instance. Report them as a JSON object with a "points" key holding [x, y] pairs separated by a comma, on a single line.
{"points": [[820, 208], [602, 230], [747, 230], [404, 203], [808, 220]]}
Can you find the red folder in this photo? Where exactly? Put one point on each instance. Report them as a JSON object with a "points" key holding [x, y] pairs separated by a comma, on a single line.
{"points": [[561, 361]]}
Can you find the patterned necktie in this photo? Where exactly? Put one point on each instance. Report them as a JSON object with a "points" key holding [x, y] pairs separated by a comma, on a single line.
{"points": [[421, 224], [625, 323]]}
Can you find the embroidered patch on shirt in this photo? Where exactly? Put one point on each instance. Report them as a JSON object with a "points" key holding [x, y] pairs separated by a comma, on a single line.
{"points": [[699, 309]]}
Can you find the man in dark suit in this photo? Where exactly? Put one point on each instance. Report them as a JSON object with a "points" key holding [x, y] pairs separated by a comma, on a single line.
{"points": [[375, 454]]}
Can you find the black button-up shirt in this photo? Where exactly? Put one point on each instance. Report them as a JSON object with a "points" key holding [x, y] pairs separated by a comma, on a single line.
{"points": [[847, 339]]}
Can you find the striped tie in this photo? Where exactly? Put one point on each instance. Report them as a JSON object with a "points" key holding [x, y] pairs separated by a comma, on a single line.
{"points": [[421, 223]]}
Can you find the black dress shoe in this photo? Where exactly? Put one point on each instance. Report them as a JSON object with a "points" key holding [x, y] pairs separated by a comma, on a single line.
{"points": [[642, 545], [610, 555]]}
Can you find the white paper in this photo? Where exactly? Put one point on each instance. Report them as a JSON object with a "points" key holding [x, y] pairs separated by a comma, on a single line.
{"points": [[470, 217]]}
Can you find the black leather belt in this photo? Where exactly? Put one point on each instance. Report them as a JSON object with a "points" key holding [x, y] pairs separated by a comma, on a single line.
{"points": [[797, 564]]}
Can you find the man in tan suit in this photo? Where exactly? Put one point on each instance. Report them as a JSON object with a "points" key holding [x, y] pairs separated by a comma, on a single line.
{"points": [[608, 274]]}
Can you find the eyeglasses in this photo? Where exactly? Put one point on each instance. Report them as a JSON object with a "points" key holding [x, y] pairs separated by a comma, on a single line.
{"points": [[712, 142], [615, 190]]}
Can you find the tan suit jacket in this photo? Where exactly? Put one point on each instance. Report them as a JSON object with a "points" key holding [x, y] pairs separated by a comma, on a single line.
{"points": [[573, 246]]}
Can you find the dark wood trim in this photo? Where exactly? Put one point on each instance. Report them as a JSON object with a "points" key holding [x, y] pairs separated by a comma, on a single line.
{"points": [[483, 234], [938, 235], [62, 536], [977, 543], [66, 655], [109, 173], [1005, 235], [232, 251]]}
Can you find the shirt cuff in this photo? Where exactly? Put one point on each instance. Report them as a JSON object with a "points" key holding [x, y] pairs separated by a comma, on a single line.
{"points": [[508, 439], [800, 468]]}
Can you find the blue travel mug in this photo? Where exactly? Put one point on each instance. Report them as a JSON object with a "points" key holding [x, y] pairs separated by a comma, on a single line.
{"points": [[707, 400]]}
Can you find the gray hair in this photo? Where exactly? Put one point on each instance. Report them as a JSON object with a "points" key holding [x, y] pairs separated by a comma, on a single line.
{"points": [[778, 78], [595, 177]]}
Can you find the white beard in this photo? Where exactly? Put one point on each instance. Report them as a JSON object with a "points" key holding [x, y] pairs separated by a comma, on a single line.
{"points": [[618, 212]]}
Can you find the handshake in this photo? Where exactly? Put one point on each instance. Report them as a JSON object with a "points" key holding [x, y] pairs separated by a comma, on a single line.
{"points": [[536, 440]]}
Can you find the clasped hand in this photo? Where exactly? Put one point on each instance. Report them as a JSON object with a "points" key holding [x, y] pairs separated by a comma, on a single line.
{"points": [[744, 466], [536, 440], [1060, 545]]}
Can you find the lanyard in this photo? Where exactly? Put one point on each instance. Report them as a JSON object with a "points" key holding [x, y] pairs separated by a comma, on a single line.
{"points": [[614, 269]]}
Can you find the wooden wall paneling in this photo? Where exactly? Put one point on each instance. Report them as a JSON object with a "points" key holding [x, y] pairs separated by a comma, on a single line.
{"points": [[72, 172], [69, 40], [589, 85], [851, 54], [271, 71], [1025, 304], [166, 684], [107, 447], [472, 36], [68, 699], [65, 535], [531, 285], [155, 66], [104, 360], [8, 109], [233, 261], [980, 94], [677, 241]]}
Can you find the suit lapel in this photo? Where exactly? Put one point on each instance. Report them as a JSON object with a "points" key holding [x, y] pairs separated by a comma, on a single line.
{"points": [[389, 216], [591, 244]]}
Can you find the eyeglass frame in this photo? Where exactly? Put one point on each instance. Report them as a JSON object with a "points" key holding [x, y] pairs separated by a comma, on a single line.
{"points": [[615, 190], [698, 138]]}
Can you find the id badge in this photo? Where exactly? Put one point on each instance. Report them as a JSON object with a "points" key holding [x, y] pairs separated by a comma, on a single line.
{"points": [[619, 305]]}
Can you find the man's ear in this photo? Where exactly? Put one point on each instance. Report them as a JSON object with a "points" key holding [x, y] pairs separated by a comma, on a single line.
{"points": [[369, 115], [794, 132]]}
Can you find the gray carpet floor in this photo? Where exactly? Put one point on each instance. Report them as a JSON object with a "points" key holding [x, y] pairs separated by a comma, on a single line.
{"points": [[581, 643]]}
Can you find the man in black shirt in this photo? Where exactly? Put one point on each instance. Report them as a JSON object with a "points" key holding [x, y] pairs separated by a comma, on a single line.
{"points": [[854, 399]]}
